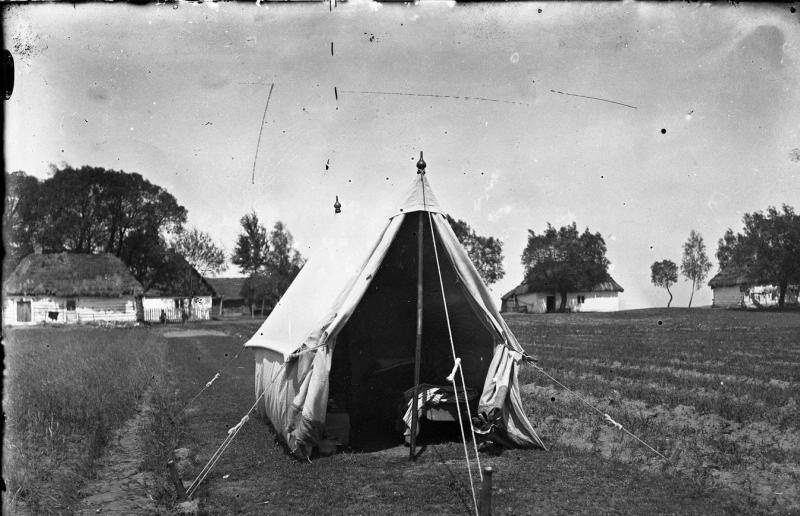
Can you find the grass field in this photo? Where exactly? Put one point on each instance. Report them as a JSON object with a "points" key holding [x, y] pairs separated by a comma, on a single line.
{"points": [[715, 391], [66, 389]]}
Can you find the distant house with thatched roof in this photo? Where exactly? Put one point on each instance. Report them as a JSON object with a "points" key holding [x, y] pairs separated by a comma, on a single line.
{"points": [[178, 291], [737, 287], [603, 297], [70, 288], [228, 299]]}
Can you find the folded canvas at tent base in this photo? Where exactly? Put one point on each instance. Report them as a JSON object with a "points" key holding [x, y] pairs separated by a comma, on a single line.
{"points": [[345, 330]]}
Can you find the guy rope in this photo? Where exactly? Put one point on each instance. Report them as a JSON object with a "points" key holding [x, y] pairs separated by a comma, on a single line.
{"points": [[606, 417]]}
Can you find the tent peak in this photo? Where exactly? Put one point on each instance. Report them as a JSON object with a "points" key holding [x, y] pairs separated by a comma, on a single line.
{"points": [[421, 165], [419, 197]]}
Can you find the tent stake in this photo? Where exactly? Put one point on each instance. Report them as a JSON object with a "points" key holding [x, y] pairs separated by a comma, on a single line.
{"points": [[173, 474], [418, 349], [485, 503]]}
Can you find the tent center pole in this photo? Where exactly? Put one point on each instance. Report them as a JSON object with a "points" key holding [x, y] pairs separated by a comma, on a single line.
{"points": [[418, 347]]}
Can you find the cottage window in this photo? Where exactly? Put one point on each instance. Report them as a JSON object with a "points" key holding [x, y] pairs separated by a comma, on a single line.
{"points": [[71, 305], [581, 300]]}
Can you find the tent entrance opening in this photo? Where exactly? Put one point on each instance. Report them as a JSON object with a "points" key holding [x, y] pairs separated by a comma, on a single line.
{"points": [[372, 368]]}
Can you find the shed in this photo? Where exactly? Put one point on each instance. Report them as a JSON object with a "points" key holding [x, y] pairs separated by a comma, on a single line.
{"points": [[738, 287], [228, 299], [603, 297], [70, 288]]}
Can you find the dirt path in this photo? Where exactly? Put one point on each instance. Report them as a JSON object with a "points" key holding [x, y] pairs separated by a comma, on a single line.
{"points": [[120, 488]]}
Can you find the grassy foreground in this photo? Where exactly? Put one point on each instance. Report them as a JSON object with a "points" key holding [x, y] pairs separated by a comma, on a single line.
{"points": [[65, 391], [648, 376], [715, 391]]}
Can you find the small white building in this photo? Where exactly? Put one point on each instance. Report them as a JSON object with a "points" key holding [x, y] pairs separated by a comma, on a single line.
{"points": [[736, 287], [179, 292], [603, 297], [70, 288]]}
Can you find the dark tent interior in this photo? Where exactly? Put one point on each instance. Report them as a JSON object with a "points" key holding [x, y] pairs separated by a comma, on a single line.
{"points": [[373, 361]]}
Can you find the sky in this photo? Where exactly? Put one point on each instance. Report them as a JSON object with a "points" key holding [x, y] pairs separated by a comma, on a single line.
{"points": [[698, 124]]}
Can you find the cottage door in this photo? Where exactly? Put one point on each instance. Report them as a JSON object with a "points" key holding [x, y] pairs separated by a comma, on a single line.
{"points": [[551, 303], [23, 311]]}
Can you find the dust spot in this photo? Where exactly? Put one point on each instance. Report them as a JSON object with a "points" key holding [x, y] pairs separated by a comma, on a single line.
{"points": [[514, 58], [25, 43]]}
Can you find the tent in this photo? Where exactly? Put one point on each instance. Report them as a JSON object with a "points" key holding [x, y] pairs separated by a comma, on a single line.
{"points": [[338, 350]]}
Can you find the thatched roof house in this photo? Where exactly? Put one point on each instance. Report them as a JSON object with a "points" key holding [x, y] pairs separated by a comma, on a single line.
{"points": [[67, 287], [738, 287], [72, 275], [603, 297]]}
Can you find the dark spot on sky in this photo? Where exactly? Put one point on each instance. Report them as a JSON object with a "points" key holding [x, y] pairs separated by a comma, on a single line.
{"points": [[540, 11], [552, 398], [792, 10], [663, 131], [660, 323], [98, 93], [602, 177], [213, 81]]}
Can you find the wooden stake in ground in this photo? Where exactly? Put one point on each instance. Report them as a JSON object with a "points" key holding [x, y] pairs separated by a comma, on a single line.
{"points": [[176, 480], [485, 503]]}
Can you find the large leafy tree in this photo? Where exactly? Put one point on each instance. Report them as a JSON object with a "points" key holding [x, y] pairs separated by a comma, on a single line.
{"points": [[91, 210], [200, 250], [768, 247], [485, 252], [564, 260], [20, 221], [664, 274], [695, 264]]}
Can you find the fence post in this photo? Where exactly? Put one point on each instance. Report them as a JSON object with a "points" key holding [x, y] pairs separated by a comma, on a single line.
{"points": [[485, 502], [176, 480]]}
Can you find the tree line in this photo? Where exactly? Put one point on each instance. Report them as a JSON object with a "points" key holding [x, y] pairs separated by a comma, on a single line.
{"points": [[766, 251], [92, 209]]}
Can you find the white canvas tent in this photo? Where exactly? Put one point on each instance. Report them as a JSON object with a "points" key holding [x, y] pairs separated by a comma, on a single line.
{"points": [[344, 332]]}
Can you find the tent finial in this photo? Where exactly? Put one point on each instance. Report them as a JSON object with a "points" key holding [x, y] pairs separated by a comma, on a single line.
{"points": [[337, 206], [421, 164]]}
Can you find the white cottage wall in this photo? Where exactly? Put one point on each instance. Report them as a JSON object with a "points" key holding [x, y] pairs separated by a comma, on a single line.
{"points": [[86, 309]]}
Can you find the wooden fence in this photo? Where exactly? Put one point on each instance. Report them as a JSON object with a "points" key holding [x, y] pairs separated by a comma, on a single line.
{"points": [[176, 314]]}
